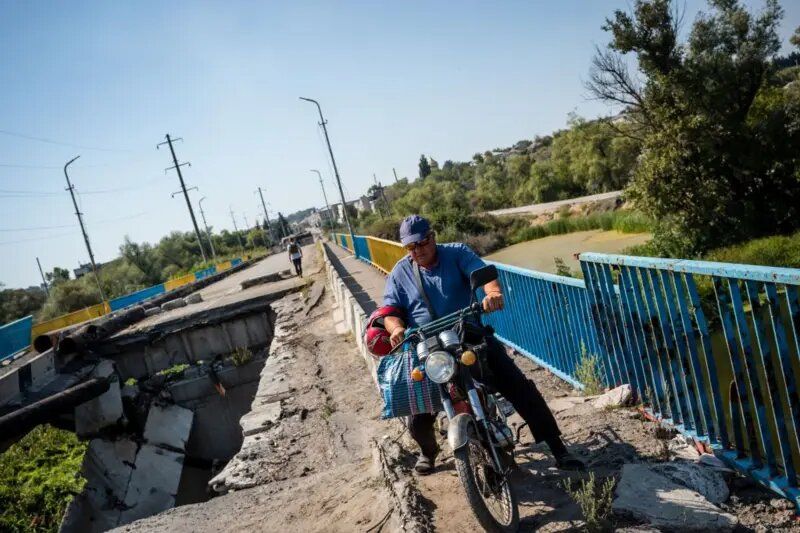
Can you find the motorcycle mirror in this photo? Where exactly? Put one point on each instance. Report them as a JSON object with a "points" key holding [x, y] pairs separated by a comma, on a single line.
{"points": [[482, 276]]}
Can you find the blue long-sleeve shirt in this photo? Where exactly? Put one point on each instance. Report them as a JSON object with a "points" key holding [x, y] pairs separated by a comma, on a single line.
{"points": [[446, 284]]}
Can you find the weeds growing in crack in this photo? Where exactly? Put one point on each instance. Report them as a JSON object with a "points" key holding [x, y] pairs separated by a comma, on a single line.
{"points": [[594, 499], [328, 409], [241, 356], [589, 373]]}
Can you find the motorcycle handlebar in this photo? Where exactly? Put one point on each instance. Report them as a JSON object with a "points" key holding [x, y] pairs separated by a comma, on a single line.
{"points": [[473, 308]]}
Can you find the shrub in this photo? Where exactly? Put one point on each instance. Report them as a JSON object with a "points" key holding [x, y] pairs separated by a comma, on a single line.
{"points": [[594, 500], [39, 475], [589, 373]]}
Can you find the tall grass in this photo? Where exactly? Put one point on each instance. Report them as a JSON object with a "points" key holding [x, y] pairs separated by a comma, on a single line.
{"points": [[623, 221]]}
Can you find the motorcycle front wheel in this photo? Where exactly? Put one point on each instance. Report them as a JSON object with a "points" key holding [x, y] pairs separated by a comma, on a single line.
{"points": [[489, 494]]}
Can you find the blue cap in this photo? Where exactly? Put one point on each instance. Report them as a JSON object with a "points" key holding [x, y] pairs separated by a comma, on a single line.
{"points": [[413, 228]]}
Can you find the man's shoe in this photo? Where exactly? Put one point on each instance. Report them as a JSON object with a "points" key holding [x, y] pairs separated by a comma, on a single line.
{"points": [[567, 461], [424, 465]]}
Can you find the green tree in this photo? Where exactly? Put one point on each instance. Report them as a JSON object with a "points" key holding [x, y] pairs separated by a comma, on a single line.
{"points": [[18, 303], [795, 38], [424, 167], [717, 164], [58, 275]]}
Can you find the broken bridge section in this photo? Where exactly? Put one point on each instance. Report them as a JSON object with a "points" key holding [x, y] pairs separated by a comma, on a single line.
{"points": [[175, 383]]}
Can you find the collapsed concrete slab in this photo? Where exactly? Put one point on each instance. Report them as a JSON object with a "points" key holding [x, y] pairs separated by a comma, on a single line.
{"points": [[700, 479], [103, 411], [168, 426], [154, 483], [647, 495], [107, 467]]}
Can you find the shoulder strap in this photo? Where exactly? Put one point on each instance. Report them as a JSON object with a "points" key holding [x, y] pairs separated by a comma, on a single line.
{"points": [[421, 288]]}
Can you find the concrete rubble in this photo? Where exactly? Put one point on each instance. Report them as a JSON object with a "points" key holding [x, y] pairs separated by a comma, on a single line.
{"points": [[682, 448], [194, 298], [127, 481], [153, 311], [702, 480], [712, 461], [647, 495], [173, 304], [617, 397]]}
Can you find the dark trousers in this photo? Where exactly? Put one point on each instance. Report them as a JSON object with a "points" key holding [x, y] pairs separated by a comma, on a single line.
{"points": [[298, 266], [508, 380]]}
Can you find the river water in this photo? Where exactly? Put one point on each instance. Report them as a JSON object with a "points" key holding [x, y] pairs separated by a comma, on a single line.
{"points": [[539, 254]]}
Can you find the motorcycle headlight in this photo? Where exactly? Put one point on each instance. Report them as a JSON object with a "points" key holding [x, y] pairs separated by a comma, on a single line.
{"points": [[440, 367]]}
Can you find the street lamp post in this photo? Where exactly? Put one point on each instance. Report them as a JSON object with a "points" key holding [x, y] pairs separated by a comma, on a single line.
{"points": [[335, 169], [327, 205], [71, 190]]}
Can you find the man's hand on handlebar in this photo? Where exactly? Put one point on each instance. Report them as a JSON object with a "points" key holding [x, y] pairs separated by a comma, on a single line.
{"points": [[493, 301], [397, 336]]}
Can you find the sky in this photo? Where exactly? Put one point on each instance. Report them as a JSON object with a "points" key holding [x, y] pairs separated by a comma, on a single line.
{"points": [[108, 80]]}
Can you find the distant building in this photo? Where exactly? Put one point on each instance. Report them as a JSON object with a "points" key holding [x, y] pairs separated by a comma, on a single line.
{"points": [[85, 269]]}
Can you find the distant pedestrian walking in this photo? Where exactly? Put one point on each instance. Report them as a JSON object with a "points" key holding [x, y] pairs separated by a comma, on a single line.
{"points": [[296, 255]]}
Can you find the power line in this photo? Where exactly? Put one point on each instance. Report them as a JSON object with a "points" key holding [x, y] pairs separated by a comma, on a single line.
{"points": [[104, 221], [58, 236], [34, 194], [14, 165], [61, 143]]}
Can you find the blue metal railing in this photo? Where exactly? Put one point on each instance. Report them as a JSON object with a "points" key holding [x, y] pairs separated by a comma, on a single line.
{"points": [[136, 297], [361, 248], [712, 348], [546, 318], [15, 336]]}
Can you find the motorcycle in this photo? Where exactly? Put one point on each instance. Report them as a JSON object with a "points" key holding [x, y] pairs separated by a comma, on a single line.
{"points": [[450, 349]]}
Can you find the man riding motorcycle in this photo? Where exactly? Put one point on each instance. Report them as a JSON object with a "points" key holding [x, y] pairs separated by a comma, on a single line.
{"points": [[432, 281]]}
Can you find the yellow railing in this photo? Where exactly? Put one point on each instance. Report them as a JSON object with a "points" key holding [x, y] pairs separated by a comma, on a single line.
{"points": [[95, 311], [179, 282], [76, 317], [384, 254]]}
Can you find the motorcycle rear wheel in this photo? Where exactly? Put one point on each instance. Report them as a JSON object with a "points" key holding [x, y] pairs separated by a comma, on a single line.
{"points": [[490, 495]]}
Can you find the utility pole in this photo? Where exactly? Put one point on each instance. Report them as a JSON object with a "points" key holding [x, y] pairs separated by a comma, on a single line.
{"points": [[266, 217], [233, 217], [177, 167], [395, 175], [208, 232], [246, 223], [44, 281], [71, 190], [335, 169], [327, 206], [383, 195]]}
